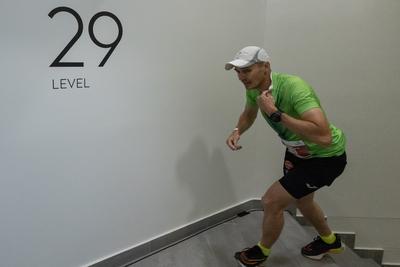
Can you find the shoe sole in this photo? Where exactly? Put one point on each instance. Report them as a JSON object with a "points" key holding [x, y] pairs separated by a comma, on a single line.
{"points": [[331, 251], [259, 265]]}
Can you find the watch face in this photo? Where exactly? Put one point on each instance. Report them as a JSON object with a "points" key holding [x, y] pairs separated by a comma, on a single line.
{"points": [[276, 116]]}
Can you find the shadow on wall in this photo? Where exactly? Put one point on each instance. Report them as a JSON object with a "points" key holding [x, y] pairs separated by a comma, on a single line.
{"points": [[207, 178]]}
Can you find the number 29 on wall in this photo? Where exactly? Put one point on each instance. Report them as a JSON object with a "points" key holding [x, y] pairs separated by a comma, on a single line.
{"points": [[57, 62]]}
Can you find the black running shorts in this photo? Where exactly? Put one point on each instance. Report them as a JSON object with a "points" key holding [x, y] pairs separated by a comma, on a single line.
{"points": [[304, 176]]}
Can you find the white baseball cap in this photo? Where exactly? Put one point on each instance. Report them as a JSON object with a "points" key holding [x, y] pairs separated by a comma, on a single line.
{"points": [[247, 57]]}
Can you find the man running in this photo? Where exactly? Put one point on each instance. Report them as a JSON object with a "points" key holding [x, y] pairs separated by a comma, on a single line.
{"points": [[314, 157]]}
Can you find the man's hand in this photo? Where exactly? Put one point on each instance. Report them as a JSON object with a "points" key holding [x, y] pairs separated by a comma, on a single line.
{"points": [[233, 140], [266, 102]]}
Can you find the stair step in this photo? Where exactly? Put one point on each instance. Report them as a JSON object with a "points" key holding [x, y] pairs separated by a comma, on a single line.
{"points": [[210, 248], [215, 247], [369, 263], [293, 238], [375, 254], [348, 257]]}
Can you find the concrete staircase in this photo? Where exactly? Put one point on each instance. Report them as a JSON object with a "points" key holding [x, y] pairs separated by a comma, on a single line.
{"points": [[348, 238], [348, 258], [209, 248], [211, 242]]}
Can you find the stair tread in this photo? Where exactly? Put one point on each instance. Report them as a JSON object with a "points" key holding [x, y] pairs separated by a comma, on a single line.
{"points": [[370, 263], [210, 248], [348, 257], [293, 238], [215, 247]]}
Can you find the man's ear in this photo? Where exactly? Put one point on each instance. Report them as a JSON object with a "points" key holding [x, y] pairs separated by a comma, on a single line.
{"points": [[267, 68]]}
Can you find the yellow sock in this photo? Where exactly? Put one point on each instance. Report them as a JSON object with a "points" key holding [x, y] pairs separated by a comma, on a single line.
{"points": [[266, 251], [329, 239]]}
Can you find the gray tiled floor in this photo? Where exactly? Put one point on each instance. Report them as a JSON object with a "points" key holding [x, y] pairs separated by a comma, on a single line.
{"points": [[215, 247]]}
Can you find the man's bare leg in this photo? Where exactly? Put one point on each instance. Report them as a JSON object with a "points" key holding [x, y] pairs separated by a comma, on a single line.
{"points": [[314, 214], [274, 202]]}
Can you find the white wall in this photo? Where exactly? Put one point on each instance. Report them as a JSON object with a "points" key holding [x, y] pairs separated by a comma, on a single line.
{"points": [[87, 173], [349, 51]]}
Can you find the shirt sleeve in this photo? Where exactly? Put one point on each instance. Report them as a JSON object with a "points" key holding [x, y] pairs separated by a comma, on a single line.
{"points": [[303, 97]]}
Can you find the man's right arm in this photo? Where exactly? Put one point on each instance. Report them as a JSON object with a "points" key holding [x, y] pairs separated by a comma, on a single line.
{"points": [[246, 119]]}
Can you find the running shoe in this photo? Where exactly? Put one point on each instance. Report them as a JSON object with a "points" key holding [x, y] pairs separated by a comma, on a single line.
{"points": [[318, 248], [251, 257]]}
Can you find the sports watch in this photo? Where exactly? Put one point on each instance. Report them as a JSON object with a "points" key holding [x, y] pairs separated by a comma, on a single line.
{"points": [[276, 116]]}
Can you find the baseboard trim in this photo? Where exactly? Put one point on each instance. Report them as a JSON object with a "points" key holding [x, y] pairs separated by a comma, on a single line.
{"points": [[149, 248]]}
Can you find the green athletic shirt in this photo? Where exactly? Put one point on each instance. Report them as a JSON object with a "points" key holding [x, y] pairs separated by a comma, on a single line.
{"points": [[294, 96]]}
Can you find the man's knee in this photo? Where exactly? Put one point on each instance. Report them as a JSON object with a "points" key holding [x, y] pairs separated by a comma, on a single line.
{"points": [[273, 203], [276, 199]]}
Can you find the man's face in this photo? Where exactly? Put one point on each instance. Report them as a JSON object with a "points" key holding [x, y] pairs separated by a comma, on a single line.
{"points": [[253, 76]]}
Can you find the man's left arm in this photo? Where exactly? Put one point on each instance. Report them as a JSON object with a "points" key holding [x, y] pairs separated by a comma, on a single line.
{"points": [[312, 124]]}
